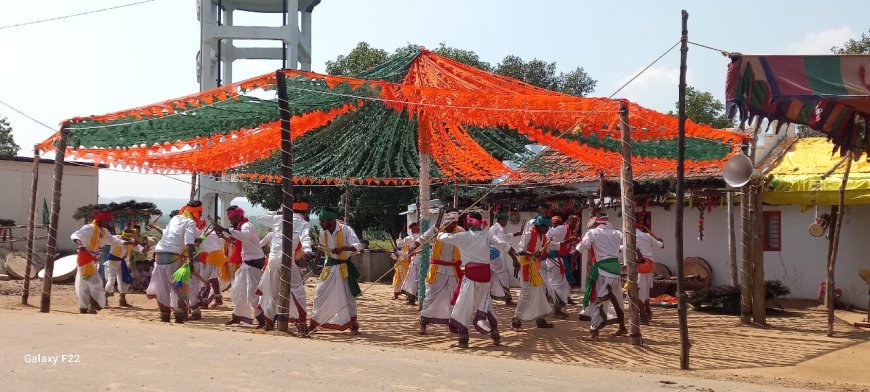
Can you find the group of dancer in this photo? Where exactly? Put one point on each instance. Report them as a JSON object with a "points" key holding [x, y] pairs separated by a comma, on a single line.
{"points": [[467, 271]]}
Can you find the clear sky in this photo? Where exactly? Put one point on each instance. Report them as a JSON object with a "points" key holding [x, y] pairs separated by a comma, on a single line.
{"points": [[146, 53]]}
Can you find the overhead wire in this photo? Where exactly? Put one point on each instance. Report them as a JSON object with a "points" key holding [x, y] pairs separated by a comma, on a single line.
{"points": [[74, 15]]}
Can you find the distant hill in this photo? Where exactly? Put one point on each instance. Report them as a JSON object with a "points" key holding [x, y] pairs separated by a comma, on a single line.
{"points": [[167, 205]]}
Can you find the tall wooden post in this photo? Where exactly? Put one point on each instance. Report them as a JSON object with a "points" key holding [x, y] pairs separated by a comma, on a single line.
{"points": [[193, 178], [681, 156], [732, 246], [746, 263], [455, 194], [628, 227], [601, 184], [286, 205], [31, 224], [835, 243], [423, 208], [51, 249], [759, 302]]}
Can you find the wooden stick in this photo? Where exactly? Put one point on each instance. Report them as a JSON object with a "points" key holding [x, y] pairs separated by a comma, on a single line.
{"points": [[30, 226], [832, 257], [759, 302], [732, 244], [681, 156]]}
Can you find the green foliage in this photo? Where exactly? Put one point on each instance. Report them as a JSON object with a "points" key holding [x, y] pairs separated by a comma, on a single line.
{"points": [[703, 108], [543, 74], [360, 58], [855, 46], [8, 148]]}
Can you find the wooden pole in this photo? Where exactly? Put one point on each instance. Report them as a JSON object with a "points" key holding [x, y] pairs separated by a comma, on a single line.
{"points": [[455, 195], [600, 191], [287, 260], [193, 178], [759, 303], [732, 245], [746, 255], [51, 249], [628, 228], [681, 156], [423, 208], [835, 244], [30, 227]]}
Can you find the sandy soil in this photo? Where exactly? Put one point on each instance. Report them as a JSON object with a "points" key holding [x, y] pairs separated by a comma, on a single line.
{"points": [[792, 351]]}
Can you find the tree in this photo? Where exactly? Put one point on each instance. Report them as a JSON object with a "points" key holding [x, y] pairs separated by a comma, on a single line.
{"points": [[703, 108], [854, 46], [467, 57], [8, 148], [543, 74], [360, 58]]}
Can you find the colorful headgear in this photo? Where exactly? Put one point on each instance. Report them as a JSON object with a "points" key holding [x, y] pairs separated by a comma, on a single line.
{"points": [[475, 223], [127, 234], [102, 215], [556, 219], [192, 210], [300, 206], [602, 219], [236, 212], [541, 220], [327, 214], [502, 215]]}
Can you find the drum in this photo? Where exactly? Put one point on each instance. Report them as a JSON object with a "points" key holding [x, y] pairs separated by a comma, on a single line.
{"points": [[16, 264], [64, 269], [697, 266]]}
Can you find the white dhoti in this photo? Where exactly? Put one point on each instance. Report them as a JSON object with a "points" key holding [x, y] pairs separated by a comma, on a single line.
{"points": [[334, 305], [195, 286], [644, 284], [436, 306], [533, 303], [90, 288], [608, 296], [501, 280], [473, 307], [558, 287], [113, 275], [162, 286], [244, 292], [268, 288], [411, 285]]}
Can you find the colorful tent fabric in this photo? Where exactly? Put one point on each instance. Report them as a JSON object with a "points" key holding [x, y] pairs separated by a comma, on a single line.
{"points": [[369, 129], [827, 93], [798, 176]]}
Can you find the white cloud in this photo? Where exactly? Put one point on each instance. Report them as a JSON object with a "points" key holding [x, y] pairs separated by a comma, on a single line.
{"points": [[656, 88], [820, 42]]}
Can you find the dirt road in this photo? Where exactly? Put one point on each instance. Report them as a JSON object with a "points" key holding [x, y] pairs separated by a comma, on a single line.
{"points": [[61, 352]]}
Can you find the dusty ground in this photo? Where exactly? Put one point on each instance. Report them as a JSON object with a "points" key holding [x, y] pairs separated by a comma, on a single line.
{"points": [[793, 351]]}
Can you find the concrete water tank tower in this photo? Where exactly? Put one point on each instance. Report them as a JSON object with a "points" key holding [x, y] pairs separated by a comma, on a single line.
{"points": [[217, 53], [217, 33]]}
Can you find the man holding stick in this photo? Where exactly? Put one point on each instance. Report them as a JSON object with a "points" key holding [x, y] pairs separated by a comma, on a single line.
{"points": [[603, 285], [501, 283], [646, 240], [172, 252], [248, 276], [445, 272]]}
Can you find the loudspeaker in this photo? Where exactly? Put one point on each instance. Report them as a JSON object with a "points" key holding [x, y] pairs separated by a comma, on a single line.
{"points": [[738, 171]]}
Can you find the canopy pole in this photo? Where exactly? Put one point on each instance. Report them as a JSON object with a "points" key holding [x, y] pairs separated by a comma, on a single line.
{"points": [[31, 226], [600, 191], [759, 303], [51, 249], [193, 178], [681, 156], [455, 194], [732, 248], [287, 249], [424, 223], [628, 228], [835, 244]]}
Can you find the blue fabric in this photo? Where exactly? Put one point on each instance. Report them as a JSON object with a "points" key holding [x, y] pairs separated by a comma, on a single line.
{"points": [[493, 253]]}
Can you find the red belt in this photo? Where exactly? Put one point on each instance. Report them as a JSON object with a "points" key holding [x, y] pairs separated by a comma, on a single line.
{"points": [[455, 264]]}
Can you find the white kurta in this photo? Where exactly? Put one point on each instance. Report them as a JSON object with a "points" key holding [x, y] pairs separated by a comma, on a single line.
{"points": [[645, 244], [474, 303], [552, 267], [607, 243], [180, 232], [334, 305], [532, 303], [501, 280], [92, 288], [411, 283], [113, 267], [270, 283], [437, 307], [244, 290]]}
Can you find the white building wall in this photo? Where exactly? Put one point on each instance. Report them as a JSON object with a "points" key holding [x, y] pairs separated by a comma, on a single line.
{"points": [[80, 186], [801, 264]]}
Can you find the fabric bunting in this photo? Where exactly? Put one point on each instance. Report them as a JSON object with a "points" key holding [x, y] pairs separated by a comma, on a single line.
{"points": [[369, 129]]}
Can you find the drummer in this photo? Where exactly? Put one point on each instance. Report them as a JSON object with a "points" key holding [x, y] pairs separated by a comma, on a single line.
{"points": [[89, 239]]}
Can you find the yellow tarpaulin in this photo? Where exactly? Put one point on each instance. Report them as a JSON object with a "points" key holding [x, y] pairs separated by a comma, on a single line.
{"points": [[797, 176]]}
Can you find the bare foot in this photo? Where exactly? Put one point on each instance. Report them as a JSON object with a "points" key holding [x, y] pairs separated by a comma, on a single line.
{"points": [[620, 332]]}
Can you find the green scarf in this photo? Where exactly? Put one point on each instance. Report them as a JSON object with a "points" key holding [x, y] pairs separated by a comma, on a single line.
{"points": [[610, 265], [353, 274]]}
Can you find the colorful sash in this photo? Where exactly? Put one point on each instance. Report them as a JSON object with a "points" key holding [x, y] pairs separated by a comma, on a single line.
{"points": [[610, 265], [644, 266], [530, 270], [436, 252]]}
